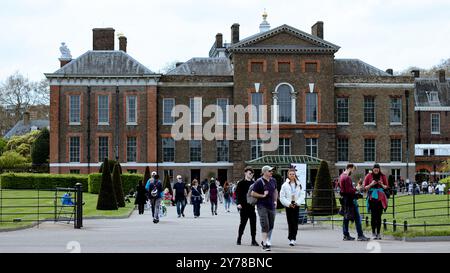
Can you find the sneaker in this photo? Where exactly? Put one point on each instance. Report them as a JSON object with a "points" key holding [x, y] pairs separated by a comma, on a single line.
{"points": [[215, 213], [348, 238], [268, 243], [291, 243], [266, 248], [182, 214], [378, 236], [374, 236], [363, 238]]}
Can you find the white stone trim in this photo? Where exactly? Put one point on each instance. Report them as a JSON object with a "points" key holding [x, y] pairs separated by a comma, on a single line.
{"points": [[196, 84], [375, 85], [370, 164], [432, 108], [88, 81], [134, 164]]}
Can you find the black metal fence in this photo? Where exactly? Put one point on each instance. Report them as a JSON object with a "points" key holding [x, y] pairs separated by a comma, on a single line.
{"points": [[42, 205]]}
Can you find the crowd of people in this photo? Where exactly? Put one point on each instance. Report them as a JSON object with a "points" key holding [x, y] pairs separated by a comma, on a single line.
{"points": [[259, 196]]}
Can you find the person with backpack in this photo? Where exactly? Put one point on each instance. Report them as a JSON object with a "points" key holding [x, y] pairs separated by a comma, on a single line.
{"points": [[290, 197], [265, 190], [141, 197], [155, 192], [205, 188], [195, 195], [246, 210], [227, 195], [179, 195]]}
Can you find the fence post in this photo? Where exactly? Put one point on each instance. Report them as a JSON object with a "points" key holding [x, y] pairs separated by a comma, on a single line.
{"points": [[55, 203], [79, 206], [384, 225], [448, 204], [393, 204], [414, 200], [425, 228], [405, 226], [394, 222]]}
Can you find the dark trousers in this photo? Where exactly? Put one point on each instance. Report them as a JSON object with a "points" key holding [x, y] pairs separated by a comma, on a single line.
{"points": [[141, 208], [214, 207], [196, 208], [181, 204], [357, 222], [248, 213], [292, 219], [376, 210]]}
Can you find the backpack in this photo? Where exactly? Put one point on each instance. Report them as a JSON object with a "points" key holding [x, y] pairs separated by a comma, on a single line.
{"points": [[250, 199], [154, 191]]}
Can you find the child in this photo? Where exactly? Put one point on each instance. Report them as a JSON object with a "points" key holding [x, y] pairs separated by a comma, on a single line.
{"points": [[167, 197]]}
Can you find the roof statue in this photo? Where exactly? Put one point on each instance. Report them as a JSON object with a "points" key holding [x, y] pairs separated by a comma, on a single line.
{"points": [[65, 51]]}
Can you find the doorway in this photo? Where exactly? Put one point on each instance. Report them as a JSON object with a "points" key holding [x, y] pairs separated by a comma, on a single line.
{"points": [[222, 175], [195, 174]]}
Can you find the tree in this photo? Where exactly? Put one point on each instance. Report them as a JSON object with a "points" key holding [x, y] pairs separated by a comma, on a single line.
{"points": [[146, 175], [168, 66], [19, 92], [446, 166], [431, 72], [118, 187], [11, 159], [22, 144], [323, 199], [3, 143], [107, 197], [40, 149], [166, 184]]}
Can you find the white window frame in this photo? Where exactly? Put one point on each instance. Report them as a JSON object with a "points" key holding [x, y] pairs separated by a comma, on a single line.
{"points": [[135, 111], [292, 102], [283, 146], [174, 150], [337, 149], [226, 111], [98, 110], [107, 148], [375, 151], [79, 149], [70, 110], [401, 112], [136, 147], [190, 151], [401, 150], [228, 151], [317, 108], [348, 111], [439, 124], [259, 143], [164, 111], [374, 111], [309, 147], [193, 105], [256, 119]]}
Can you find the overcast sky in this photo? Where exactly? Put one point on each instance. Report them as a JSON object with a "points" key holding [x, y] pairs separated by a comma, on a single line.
{"points": [[387, 34]]}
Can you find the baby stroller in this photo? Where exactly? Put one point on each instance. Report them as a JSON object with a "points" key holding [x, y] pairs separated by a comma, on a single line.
{"points": [[162, 210]]}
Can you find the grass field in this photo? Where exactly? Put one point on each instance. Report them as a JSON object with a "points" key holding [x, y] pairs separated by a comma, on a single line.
{"points": [[429, 209], [46, 207]]}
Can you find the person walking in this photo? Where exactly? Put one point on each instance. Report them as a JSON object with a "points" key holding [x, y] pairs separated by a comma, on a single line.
{"points": [[424, 187], [141, 197], [349, 205], [205, 188], [155, 195], [265, 190], [290, 198], [195, 195], [227, 193], [213, 193], [179, 196], [246, 210], [376, 184]]}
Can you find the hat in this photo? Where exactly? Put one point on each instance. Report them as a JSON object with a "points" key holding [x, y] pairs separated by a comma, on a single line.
{"points": [[153, 173], [376, 166], [179, 177], [212, 179], [266, 168]]}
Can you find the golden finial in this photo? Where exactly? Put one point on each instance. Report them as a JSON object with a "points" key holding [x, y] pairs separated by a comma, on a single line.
{"points": [[264, 15]]}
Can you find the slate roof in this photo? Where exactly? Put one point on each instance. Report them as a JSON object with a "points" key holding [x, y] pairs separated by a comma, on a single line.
{"points": [[426, 85], [21, 129], [105, 63], [204, 67], [356, 67]]}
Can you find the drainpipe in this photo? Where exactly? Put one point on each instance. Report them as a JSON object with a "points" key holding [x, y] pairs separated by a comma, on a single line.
{"points": [[407, 133], [89, 129], [117, 131]]}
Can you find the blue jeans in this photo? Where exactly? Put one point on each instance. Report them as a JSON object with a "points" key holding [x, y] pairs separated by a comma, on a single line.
{"points": [[181, 204], [357, 222], [227, 203]]}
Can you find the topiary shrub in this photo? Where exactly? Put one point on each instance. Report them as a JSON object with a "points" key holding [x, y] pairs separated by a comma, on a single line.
{"points": [[40, 149], [107, 196], [42, 181], [118, 189], [279, 180], [11, 159], [146, 175], [129, 181], [111, 164], [323, 199], [166, 184]]}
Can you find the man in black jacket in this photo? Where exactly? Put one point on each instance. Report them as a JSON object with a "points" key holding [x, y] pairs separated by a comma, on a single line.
{"points": [[246, 210]]}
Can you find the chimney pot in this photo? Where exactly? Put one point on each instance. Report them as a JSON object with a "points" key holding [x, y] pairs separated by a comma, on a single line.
{"points": [[123, 43], [103, 38], [235, 33], [415, 73], [390, 71], [317, 29], [219, 40], [441, 75], [178, 64]]}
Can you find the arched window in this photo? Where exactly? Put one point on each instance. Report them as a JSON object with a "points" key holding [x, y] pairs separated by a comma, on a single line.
{"points": [[285, 99]]}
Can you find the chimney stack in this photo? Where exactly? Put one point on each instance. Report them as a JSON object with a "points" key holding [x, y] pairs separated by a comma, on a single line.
{"points": [[441, 75], [317, 29], [235, 33], [178, 64], [103, 38], [415, 73], [26, 118], [123, 43], [390, 71], [219, 40]]}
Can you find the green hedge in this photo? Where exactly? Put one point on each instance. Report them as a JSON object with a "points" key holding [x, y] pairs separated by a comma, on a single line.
{"points": [[129, 181], [42, 181]]}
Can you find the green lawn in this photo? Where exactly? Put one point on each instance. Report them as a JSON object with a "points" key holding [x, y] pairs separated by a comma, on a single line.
{"points": [[46, 206], [430, 209]]}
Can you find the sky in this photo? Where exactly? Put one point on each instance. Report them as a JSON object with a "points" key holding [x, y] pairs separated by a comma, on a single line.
{"points": [[386, 34]]}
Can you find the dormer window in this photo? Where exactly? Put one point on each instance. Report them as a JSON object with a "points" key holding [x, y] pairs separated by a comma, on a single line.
{"points": [[433, 98]]}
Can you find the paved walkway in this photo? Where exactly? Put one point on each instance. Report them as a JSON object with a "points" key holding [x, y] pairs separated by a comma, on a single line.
{"points": [[207, 234]]}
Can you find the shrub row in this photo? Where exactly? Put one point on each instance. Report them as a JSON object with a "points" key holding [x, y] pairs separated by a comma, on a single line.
{"points": [[91, 183]]}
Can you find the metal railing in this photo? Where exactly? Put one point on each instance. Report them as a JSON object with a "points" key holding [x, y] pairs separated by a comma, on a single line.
{"points": [[42, 205]]}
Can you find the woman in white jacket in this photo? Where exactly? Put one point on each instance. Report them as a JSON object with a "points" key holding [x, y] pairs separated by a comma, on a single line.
{"points": [[290, 197]]}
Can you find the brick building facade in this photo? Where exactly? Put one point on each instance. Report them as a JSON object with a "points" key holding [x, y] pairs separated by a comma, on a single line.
{"points": [[339, 110]]}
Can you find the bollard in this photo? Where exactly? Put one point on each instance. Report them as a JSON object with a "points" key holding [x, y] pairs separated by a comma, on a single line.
{"points": [[405, 226], [79, 206], [394, 225], [384, 225]]}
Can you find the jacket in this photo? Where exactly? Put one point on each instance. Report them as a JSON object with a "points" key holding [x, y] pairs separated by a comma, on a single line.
{"points": [[285, 194], [241, 193]]}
